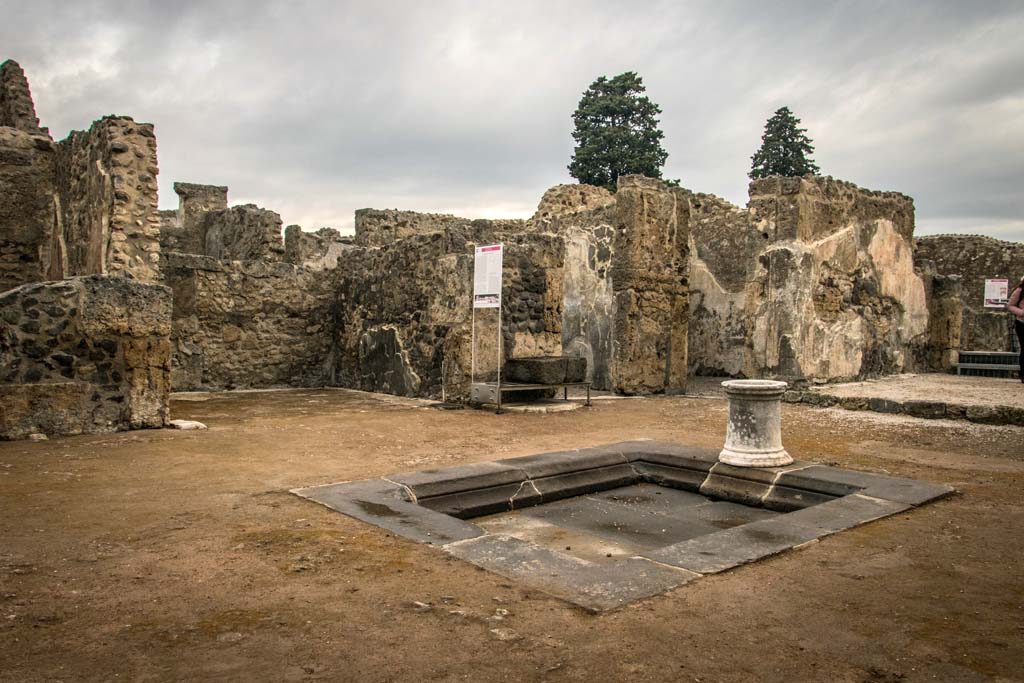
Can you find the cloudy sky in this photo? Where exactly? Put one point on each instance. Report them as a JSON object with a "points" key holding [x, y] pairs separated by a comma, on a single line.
{"points": [[315, 109]]}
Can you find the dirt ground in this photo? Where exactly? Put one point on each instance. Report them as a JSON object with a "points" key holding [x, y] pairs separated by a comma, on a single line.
{"points": [[167, 556], [962, 390]]}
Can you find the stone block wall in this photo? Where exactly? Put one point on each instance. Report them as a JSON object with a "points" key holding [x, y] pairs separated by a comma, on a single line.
{"points": [[182, 230], [29, 249], [27, 196], [318, 250], [937, 350], [976, 258], [107, 187], [381, 227], [650, 266], [403, 316], [16, 107], [248, 324], [87, 354], [242, 233], [826, 287]]}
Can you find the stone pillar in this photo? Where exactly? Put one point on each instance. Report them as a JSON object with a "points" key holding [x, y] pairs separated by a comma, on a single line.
{"points": [[650, 269], [754, 435], [194, 201]]}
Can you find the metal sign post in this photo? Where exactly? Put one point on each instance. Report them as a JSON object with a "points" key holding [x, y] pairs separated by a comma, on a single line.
{"points": [[487, 266]]}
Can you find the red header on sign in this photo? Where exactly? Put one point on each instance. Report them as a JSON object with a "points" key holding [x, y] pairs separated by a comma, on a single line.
{"points": [[496, 247]]}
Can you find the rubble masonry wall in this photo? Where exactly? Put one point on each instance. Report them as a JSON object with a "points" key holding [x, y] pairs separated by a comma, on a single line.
{"points": [[976, 258], [826, 289], [86, 354]]}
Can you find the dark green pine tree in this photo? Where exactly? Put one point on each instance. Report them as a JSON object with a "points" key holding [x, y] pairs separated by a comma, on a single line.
{"points": [[785, 148], [616, 132]]}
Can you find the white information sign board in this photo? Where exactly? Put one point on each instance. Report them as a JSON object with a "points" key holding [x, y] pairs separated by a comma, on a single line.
{"points": [[997, 293], [487, 276]]}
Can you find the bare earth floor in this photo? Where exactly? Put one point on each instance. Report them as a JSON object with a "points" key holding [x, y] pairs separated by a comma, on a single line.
{"points": [[958, 389], [163, 555], [963, 390]]}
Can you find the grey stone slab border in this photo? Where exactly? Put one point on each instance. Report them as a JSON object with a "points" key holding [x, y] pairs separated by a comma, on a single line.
{"points": [[433, 506], [932, 410]]}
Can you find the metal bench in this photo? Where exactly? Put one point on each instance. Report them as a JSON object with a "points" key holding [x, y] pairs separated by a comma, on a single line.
{"points": [[490, 392], [987, 363]]}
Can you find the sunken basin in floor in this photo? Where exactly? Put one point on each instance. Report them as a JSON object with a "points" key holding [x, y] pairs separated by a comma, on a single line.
{"points": [[602, 527]]}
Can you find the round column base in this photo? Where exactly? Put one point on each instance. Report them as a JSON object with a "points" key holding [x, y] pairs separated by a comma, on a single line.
{"points": [[756, 459]]}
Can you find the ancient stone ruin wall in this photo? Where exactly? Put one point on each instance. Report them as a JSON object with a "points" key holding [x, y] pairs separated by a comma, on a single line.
{"points": [[83, 355], [182, 230], [937, 350], [404, 319], [976, 258], [27, 209], [85, 205], [650, 268], [318, 250], [829, 293], [247, 324], [382, 227], [107, 187], [584, 216], [243, 233], [27, 196], [16, 107]]}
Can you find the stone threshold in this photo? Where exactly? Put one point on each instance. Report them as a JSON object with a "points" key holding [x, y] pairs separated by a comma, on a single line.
{"points": [[931, 410], [434, 507]]}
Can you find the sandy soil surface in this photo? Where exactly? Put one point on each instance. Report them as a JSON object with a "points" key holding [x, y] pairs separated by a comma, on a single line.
{"points": [[961, 390], [165, 556]]}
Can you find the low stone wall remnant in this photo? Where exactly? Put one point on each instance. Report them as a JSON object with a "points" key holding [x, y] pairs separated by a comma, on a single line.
{"points": [[975, 258], [86, 354]]}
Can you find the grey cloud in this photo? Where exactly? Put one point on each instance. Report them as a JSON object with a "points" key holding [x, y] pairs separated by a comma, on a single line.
{"points": [[315, 109]]}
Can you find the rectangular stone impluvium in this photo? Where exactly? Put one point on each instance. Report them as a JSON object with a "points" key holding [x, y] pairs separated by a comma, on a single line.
{"points": [[602, 527]]}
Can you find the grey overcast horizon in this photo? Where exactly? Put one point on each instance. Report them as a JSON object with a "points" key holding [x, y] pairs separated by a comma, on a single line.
{"points": [[315, 109]]}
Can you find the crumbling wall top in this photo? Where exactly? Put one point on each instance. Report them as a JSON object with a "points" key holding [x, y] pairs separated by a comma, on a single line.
{"points": [[564, 199], [16, 108]]}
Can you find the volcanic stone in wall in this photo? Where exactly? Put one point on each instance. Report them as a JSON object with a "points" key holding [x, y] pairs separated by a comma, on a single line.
{"points": [[248, 324], [183, 232], [815, 280], [584, 216], [976, 258], [318, 250], [86, 354], [403, 316], [243, 233], [650, 266], [16, 108], [106, 178], [27, 209]]}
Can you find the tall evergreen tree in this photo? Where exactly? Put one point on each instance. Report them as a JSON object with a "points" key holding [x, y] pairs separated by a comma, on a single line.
{"points": [[785, 148], [616, 132]]}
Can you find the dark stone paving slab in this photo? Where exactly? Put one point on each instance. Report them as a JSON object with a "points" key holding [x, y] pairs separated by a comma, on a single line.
{"points": [[477, 502], [742, 544], [383, 504], [619, 523], [439, 482], [634, 516], [732, 547], [671, 477], [673, 455], [562, 462], [831, 479], [577, 483], [595, 587], [844, 513], [651, 498], [558, 538]]}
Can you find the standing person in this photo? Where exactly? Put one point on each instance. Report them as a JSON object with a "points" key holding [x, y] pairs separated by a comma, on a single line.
{"points": [[1016, 307]]}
